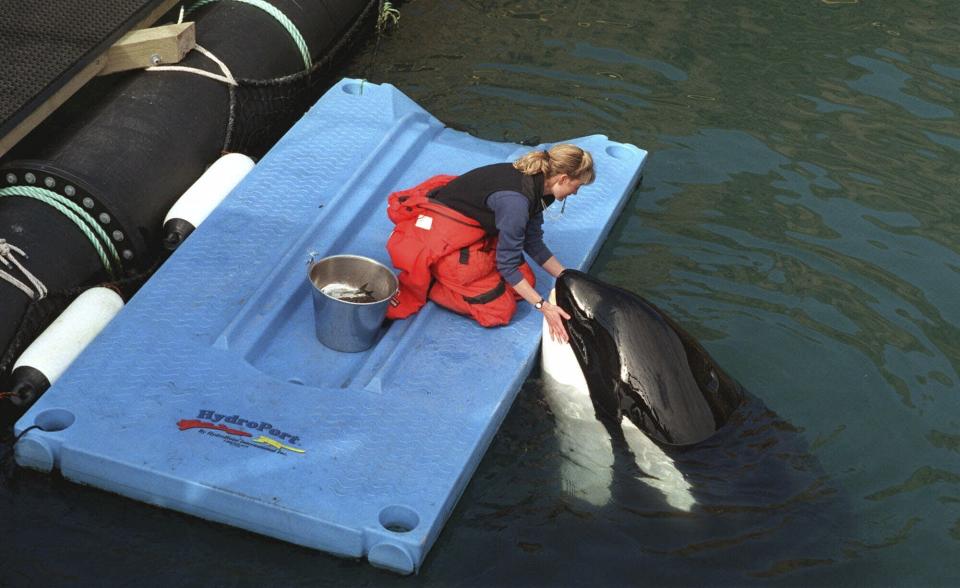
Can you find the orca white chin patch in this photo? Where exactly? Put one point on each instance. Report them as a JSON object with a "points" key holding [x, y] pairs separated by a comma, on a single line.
{"points": [[587, 467]]}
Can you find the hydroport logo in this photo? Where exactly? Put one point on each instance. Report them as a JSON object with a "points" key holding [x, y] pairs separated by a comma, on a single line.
{"points": [[215, 424]]}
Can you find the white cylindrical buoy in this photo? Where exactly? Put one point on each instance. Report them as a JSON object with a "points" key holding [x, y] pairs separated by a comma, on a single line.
{"points": [[203, 196], [54, 350]]}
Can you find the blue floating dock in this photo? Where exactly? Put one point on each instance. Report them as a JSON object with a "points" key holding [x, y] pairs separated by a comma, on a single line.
{"points": [[210, 394]]}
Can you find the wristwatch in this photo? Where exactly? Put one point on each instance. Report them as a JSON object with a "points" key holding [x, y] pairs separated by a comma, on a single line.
{"points": [[539, 304]]}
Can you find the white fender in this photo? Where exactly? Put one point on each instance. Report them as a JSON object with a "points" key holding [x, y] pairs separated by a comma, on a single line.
{"points": [[61, 342], [587, 467], [193, 207]]}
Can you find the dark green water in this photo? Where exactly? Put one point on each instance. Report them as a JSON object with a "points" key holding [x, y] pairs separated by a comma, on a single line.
{"points": [[798, 215]]}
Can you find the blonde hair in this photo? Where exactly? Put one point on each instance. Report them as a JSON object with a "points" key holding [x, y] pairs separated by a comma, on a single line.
{"points": [[560, 159]]}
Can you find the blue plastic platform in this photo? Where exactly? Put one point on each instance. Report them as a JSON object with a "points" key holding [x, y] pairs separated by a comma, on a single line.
{"points": [[210, 394]]}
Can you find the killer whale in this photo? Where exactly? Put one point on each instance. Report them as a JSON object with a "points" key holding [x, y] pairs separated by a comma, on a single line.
{"points": [[631, 377], [733, 473], [639, 363]]}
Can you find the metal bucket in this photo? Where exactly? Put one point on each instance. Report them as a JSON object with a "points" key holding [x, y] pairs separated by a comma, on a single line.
{"points": [[350, 298]]}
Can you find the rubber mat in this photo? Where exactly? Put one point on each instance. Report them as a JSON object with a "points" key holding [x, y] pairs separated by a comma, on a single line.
{"points": [[210, 394], [45, 44]]}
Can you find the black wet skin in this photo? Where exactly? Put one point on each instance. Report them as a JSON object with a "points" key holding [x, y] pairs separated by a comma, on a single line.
{"points": [[641, 364]]}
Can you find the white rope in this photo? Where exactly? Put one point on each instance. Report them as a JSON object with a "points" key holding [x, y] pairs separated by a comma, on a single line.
{"points": [[12, 280], [9, 261], [226, 78]]}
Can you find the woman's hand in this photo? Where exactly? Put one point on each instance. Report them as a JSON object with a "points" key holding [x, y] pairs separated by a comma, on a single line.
{"points": [[553, 313], [555, 316]]}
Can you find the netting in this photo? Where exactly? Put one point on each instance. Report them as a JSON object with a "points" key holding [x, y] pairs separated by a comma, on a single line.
{"points": [[262, 110]]}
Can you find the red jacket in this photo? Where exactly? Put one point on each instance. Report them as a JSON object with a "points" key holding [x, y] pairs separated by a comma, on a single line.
{"points": [[446, 257]]}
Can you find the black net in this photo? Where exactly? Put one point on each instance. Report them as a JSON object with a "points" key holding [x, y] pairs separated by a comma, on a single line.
{"points": [[39, 314], [263, 110]]}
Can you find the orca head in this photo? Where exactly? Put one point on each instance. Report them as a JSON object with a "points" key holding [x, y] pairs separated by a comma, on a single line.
{"points": [[639, 363]]}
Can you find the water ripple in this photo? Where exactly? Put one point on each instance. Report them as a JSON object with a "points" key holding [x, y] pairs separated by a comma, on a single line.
{"points": [[887, 82]]}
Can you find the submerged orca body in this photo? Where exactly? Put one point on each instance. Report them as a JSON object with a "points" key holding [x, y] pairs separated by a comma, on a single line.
{"points": [[639, 364]]}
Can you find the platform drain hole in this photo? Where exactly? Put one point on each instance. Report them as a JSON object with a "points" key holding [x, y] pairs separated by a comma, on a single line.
{"points": [[296, 381], [618, 152], [353, 88], [54, 419], [399, 519]]}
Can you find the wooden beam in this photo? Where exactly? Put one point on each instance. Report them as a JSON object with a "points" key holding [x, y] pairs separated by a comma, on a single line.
{"points": [[146, 47]]}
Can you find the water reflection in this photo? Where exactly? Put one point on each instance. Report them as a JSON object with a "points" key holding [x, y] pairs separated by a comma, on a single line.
{"points": [[887, 82], [756, 485]]}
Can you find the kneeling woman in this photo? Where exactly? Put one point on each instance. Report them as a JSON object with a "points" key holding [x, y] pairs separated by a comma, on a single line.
{"points": [[459, 241]]}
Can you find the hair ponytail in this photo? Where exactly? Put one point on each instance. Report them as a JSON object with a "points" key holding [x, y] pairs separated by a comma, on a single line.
{"points": [[533, 163], [560, 159]]}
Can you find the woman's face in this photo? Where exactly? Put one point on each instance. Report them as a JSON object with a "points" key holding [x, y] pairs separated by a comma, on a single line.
{"points": [[565, 186]]}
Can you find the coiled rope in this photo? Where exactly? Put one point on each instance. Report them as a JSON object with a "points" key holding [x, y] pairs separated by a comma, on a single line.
{"points": [[10, 261], [280, 17], [87, 224]]}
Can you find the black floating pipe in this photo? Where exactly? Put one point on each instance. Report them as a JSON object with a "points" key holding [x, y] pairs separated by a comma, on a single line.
{"points": [[126, 146]]}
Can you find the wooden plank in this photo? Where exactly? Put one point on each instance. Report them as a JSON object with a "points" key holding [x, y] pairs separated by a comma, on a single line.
{"points": [[146, 47], [70, 87]]}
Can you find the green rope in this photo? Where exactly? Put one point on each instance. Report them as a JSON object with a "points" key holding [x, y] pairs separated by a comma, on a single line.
{"points": [[87, 224], [276, 14]]}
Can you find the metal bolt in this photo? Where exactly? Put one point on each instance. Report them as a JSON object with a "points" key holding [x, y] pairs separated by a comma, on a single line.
{"points": [[155, 59], [104, 218], [87, 202], [30, 178], [49, 182], [118, 235], [71, 191], [127, 254], [11, 178]]}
